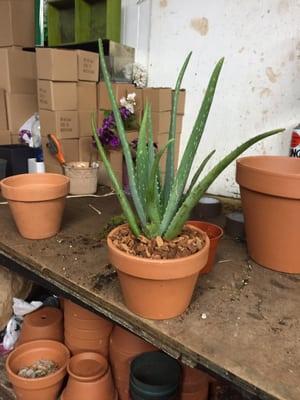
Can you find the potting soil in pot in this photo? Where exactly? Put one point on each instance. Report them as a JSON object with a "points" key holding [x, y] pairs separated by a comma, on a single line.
{"points": [[38, 369]]}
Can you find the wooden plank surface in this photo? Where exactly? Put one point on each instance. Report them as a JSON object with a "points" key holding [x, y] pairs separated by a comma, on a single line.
{"points": [[242, 325]]}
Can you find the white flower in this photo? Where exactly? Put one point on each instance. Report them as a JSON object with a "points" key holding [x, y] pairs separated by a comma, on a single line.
{"points": [[139, 75], [129, 102]]}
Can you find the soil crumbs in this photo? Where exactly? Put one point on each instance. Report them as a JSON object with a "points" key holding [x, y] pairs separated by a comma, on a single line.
{"points": [[39, 369], [187, 243]]}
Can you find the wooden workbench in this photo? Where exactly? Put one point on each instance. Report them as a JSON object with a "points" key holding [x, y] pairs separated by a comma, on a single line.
{"points": [[243, 324]]}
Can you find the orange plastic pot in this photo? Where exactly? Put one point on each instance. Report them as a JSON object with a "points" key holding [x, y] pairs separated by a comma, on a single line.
{"points": [[45, 323], [214, 232], [123, 348], [157, 289], [195, 384], [89, 378], [270, 193], [46, 388], [37, 202]]}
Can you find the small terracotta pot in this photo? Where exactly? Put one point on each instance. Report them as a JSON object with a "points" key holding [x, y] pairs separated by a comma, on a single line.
{"points": [[37, 202], [45, 323], [214, 232], [195, 384], [123, 348], [46, 388], [89, 378], [270, 193], [78, 312], [78, 345], [148, 285]]}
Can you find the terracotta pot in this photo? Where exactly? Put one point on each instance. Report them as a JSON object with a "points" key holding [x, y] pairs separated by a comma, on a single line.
{"points": [[148, 285], [78, 345], [37, 202], [45, 323], [214, 232], [79, 312], [195, 384], [123, 348], [89, 378], [270, 192], [46, 388]]}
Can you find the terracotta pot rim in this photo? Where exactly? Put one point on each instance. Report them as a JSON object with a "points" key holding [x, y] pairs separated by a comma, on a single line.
{"points": [[221, 230], [52, 190], [49, 380], [142, 260], [241, 161], [87, 354]]}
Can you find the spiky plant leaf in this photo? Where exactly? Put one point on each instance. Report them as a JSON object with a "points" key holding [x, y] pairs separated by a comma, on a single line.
{"points": [[172, 134], [126, 149], [119, 191], [190, 151], [184, 211]]}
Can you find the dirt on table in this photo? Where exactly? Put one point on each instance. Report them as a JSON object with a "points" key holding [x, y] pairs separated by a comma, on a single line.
{"points": [[187, 243]]}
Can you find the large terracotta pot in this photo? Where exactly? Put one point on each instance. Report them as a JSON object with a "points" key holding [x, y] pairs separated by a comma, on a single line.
{"points": [[157, 289], [45, 323], [195, 384], [270, 193], [37, 202], [89, 378], [85, 331], [123, 348], [215, 233], [46, 388]]}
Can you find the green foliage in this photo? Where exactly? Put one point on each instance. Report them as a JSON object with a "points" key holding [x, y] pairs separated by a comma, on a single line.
{"points": [[163, 209]]}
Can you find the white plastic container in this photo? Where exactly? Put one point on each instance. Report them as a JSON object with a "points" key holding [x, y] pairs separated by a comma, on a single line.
{"points": [[83, 178]]}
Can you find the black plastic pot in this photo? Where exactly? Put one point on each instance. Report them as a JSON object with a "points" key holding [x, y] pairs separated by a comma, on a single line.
{"points": [[154, 376], [16, 156], [2, 168]]}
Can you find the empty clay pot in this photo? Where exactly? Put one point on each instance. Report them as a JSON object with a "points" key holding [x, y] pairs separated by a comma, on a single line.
{"points": [[37, 202], [90, 378], [194, 384], [270, 193], [123, 348], [214, 232], [78, 345], [148, 285], [45, 323], [46, 388]]}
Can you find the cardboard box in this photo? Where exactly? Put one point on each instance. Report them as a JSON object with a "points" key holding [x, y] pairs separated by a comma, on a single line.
{"points": [[87, 149], [17, 23], [5, 137], [63, 123], [70, 148], [84, 123], [87, 96], [119, 89], [56, 64], [159, 98], [181, 101], [162, 141], [116, 161], [57, 96], [15, 139], [88, 66], [132, 135], [18, 70], [161, 123], [138, 98], [100, 118], [3, 112], [20, 107]]}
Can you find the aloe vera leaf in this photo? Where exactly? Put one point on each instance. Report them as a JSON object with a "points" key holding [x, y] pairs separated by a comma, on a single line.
{"points": [[142, 160], [197, 174], [190, 151], [119, 191], [151, 152], [153, 205], [126, 149], [172, 134], [184, 211]]}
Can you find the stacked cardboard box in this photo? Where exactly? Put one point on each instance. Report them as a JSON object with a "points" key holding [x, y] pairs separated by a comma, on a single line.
{"points": [[67, 98], [18, 72]]}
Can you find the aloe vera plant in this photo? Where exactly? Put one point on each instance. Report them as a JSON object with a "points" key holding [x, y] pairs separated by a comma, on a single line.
{"points": [[163, 209]]}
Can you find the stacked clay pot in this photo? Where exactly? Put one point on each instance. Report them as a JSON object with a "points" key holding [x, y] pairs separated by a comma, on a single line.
{"points": [[195, 384], [44, 323], [123, 348], [89, 378], [85, 331]]}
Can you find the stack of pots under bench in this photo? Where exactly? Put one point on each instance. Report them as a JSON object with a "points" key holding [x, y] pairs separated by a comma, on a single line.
{"points": [[195, 384], [85, 331], [123, 348]]}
